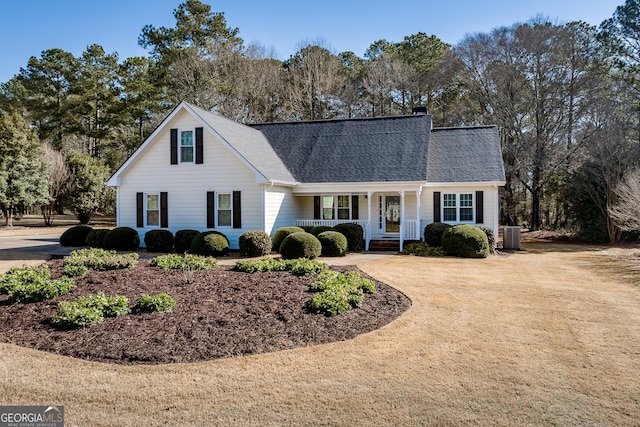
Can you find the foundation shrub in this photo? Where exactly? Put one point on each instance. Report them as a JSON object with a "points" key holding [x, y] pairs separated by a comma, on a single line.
{"points": [[95, 238], [490, 237], [210, 243], [158, 240], [254, 243], [333, 243], [122, 239], [465, 241], [320, 229], [282, 234], [354, 234], [75, 236], [182, 240], [422, 249], [300, 245], [433, 233]]}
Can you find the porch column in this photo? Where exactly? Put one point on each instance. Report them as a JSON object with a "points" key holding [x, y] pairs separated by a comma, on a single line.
{"points": [[367, 231], [401, 219], [418, 231]]}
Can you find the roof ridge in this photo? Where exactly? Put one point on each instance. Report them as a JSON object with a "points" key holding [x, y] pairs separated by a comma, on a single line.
{"points": [[464, 127], [352, 119]]}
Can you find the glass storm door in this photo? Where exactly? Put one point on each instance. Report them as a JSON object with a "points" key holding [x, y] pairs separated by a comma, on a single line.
{"points": [[389, 214]]}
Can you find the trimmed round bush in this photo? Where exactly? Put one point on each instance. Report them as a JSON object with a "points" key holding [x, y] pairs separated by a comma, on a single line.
{"points": [[300, 245], [122, 239], [182, 240], [465, 241], [254, 243], [158, 240], [333, 243], [282, 234], [209, 243], [433, 233], [490, 237], [354, 234], [95, 238], [75, 236], [321, 229]]}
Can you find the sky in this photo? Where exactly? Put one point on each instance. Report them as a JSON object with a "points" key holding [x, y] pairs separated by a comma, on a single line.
{"points": [[28, 27]]}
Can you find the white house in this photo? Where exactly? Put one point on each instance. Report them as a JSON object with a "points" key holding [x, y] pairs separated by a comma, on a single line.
{"points": [[392, 175]]}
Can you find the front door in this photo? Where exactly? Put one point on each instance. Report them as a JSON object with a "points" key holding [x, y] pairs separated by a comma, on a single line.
{"points": [[389, 214]]}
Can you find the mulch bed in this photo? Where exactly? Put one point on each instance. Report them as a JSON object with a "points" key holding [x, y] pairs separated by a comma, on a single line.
{"points": [[219, 313]]}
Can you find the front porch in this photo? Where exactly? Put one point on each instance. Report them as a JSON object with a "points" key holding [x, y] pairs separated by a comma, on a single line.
{"points": [[392, 217]]}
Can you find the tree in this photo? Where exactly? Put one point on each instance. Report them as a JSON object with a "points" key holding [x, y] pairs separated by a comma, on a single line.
{"points": [[23, 174], [625, 212], [59, 181], [88, 193]]}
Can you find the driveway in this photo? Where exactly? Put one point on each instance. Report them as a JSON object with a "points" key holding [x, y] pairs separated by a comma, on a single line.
{"points": [[546, 336]]}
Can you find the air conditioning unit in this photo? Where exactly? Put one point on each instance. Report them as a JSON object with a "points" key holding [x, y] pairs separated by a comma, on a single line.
{"points": [[511, 238]]}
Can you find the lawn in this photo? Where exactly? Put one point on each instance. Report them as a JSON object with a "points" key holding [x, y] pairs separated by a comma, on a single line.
{"points": [[546, 336]]}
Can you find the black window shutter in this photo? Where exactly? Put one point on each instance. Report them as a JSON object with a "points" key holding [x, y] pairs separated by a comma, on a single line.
{"points": [[237, 211], [174, 146], [436, 206], [199, 149], [211, 206], [354, 206], [139, 210], [479, 207], [316, 207], [164, 210]]}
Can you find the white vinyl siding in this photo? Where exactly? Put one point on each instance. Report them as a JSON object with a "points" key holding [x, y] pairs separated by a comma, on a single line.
{"points": [[224, 173]]}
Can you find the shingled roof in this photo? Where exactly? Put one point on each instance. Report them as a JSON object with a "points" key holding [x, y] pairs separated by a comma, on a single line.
{"points": [[466, 154], [353, 150]]}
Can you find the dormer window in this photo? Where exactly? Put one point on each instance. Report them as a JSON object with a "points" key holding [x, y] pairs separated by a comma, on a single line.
{"points": [[186, 146]]}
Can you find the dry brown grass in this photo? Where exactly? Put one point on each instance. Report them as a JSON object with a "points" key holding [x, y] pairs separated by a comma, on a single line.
{"points": [[548, 336]]}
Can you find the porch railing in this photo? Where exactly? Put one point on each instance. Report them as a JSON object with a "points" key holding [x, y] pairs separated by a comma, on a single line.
{"points": [[411, 231], [331, 223]]}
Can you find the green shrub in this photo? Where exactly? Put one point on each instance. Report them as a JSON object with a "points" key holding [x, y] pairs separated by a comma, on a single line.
{"points": [[254, 243], [305, 266], [75, 236], [71, 315], [160, 303], [282, 234], [78, 262], [490, 237], [182, 240], [41, 290], [122, 239], [354, 234], [300, 245], [298, 267], [89, 310], [95, 238], [184, 262], [337, 293], [433, 233], [465, 241], [320, 229], [210, 243], [422, 249], [18, 276], [158, 240], [333, 243]]}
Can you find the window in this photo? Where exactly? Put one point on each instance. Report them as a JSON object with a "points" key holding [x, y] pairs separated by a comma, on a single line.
{"points": [[327, 207], [153, 209], [466, 207], [224, 210], [457, 207], [186, 146], [343, 207], [334, 207], [449, 211]]}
